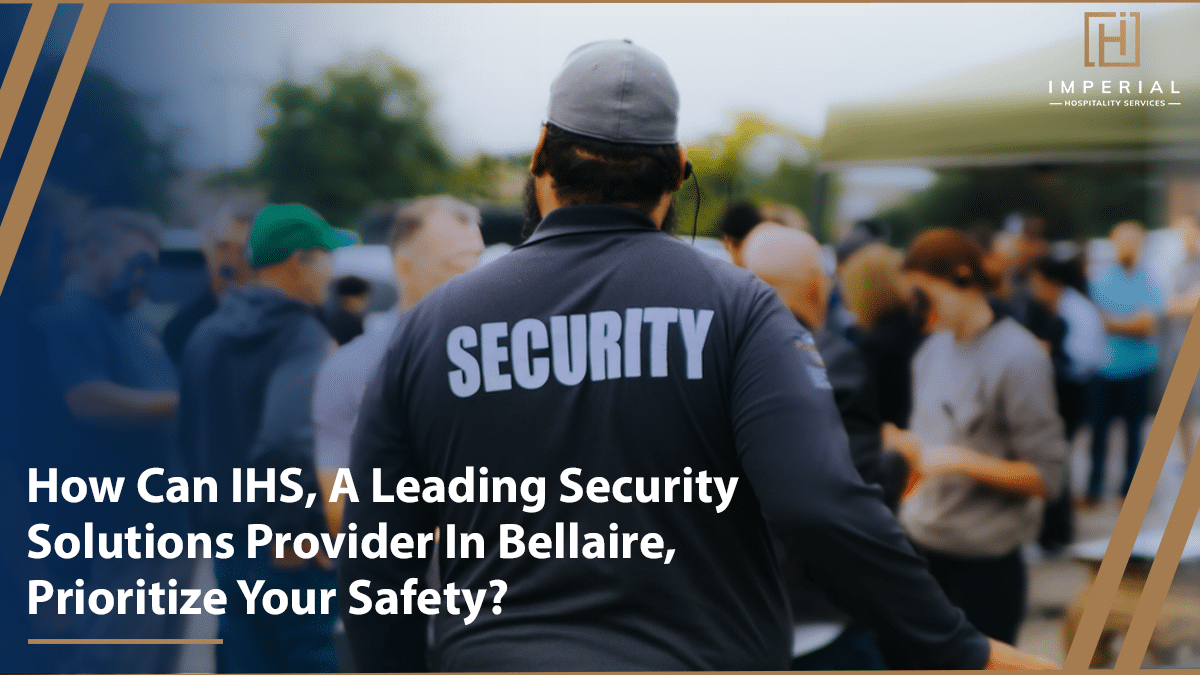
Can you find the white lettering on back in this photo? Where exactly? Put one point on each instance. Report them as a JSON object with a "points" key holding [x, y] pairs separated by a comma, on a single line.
{"points": [[598, 343]]}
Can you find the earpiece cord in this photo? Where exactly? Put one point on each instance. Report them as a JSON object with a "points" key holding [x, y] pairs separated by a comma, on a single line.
{"points": [[696, 215]]}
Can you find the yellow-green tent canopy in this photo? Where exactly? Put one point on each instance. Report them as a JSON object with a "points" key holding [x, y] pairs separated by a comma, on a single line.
{"points": [[1001, 114]]}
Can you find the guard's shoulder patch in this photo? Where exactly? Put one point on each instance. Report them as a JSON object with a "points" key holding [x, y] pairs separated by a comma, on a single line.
{"points": [[819, 377], [815, 365], [808, 345]]}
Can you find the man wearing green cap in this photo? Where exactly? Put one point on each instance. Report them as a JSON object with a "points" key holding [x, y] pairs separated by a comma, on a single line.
{"points": [[247, 380]]}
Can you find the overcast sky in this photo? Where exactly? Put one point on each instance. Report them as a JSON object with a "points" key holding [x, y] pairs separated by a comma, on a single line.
{"points": [[489, 67]]}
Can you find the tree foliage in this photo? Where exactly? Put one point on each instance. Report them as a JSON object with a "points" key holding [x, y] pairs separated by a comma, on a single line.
{"points": [[361, 132], [105, 152], [759, 160], [1077, 201]]}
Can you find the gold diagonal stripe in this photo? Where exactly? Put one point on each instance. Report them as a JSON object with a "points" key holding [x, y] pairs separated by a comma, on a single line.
{"points": [[29, 184], [1120, 546], [1158, 583], [20, 69]]}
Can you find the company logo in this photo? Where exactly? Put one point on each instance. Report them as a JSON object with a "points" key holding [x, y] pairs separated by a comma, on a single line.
{"points": [[1103, 32], [1113, 39]]}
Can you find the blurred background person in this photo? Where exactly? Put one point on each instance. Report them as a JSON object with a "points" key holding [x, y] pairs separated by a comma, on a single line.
{"points": [[1009, 257], [1060, 286], [887, 331], [1078, 349], [432, 240], [864, 232], [992, 443], [736, 223], [791, 262], [742, 217], [223, 238], [1185, 294], [1000, 259], [111, 367], [121, 389], [351, 295], [785, 215], [1130, 304], [1012, 256], [248, 377]]}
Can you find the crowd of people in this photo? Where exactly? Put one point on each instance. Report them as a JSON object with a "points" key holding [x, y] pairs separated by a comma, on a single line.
{"points": [[1004, 348], [902, 421]]}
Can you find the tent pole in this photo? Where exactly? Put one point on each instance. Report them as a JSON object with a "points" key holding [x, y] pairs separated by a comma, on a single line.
{"points": [[820, 188]]}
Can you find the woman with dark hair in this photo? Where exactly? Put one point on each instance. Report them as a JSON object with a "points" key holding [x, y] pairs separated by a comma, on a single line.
{"points": [[1061, 315], [993, 447]]}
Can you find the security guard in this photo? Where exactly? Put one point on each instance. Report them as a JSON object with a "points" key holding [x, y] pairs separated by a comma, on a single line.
{"points": [[671, 405]]}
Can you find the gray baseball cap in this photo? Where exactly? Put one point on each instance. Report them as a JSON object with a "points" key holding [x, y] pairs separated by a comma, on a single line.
{"points": [[615, 91]]}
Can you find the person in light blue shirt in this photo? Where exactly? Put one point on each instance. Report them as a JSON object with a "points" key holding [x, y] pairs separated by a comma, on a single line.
{"points": [[1130, 303]]}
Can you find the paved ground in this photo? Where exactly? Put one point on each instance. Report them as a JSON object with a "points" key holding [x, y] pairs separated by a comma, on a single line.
{"points": [[1055, 582]]}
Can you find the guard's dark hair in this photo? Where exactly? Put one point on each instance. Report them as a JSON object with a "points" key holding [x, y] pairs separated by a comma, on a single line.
{"points": [[591, 171], [738, 219]]}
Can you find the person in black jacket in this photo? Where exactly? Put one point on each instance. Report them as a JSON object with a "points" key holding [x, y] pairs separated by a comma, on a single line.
{"points": [[248, 375], [604, 352], [790, 261], [351, 298], [888, 329]]}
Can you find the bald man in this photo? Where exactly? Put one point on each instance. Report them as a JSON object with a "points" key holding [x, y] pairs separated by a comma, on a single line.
{"points": [[790, 261]]}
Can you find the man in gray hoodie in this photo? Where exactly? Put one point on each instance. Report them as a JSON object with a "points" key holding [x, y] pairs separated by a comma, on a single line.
{"points": [[247, 380]]}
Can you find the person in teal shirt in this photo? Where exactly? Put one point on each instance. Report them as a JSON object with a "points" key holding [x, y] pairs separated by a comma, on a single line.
{"points": [[1130, 303]]}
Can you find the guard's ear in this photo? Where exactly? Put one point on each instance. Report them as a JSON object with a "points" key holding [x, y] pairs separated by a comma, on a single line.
{"points": [[686, 171], [535, 167]]}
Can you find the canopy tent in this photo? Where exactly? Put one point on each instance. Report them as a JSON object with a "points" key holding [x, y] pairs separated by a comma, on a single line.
{"points": [[1002, 114]]}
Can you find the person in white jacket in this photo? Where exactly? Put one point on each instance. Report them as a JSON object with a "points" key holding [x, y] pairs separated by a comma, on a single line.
{"points": [[432, 240], [1084, 342]]}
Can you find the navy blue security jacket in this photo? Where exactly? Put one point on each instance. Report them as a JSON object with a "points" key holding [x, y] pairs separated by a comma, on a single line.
{"points": [[606, 345]]}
